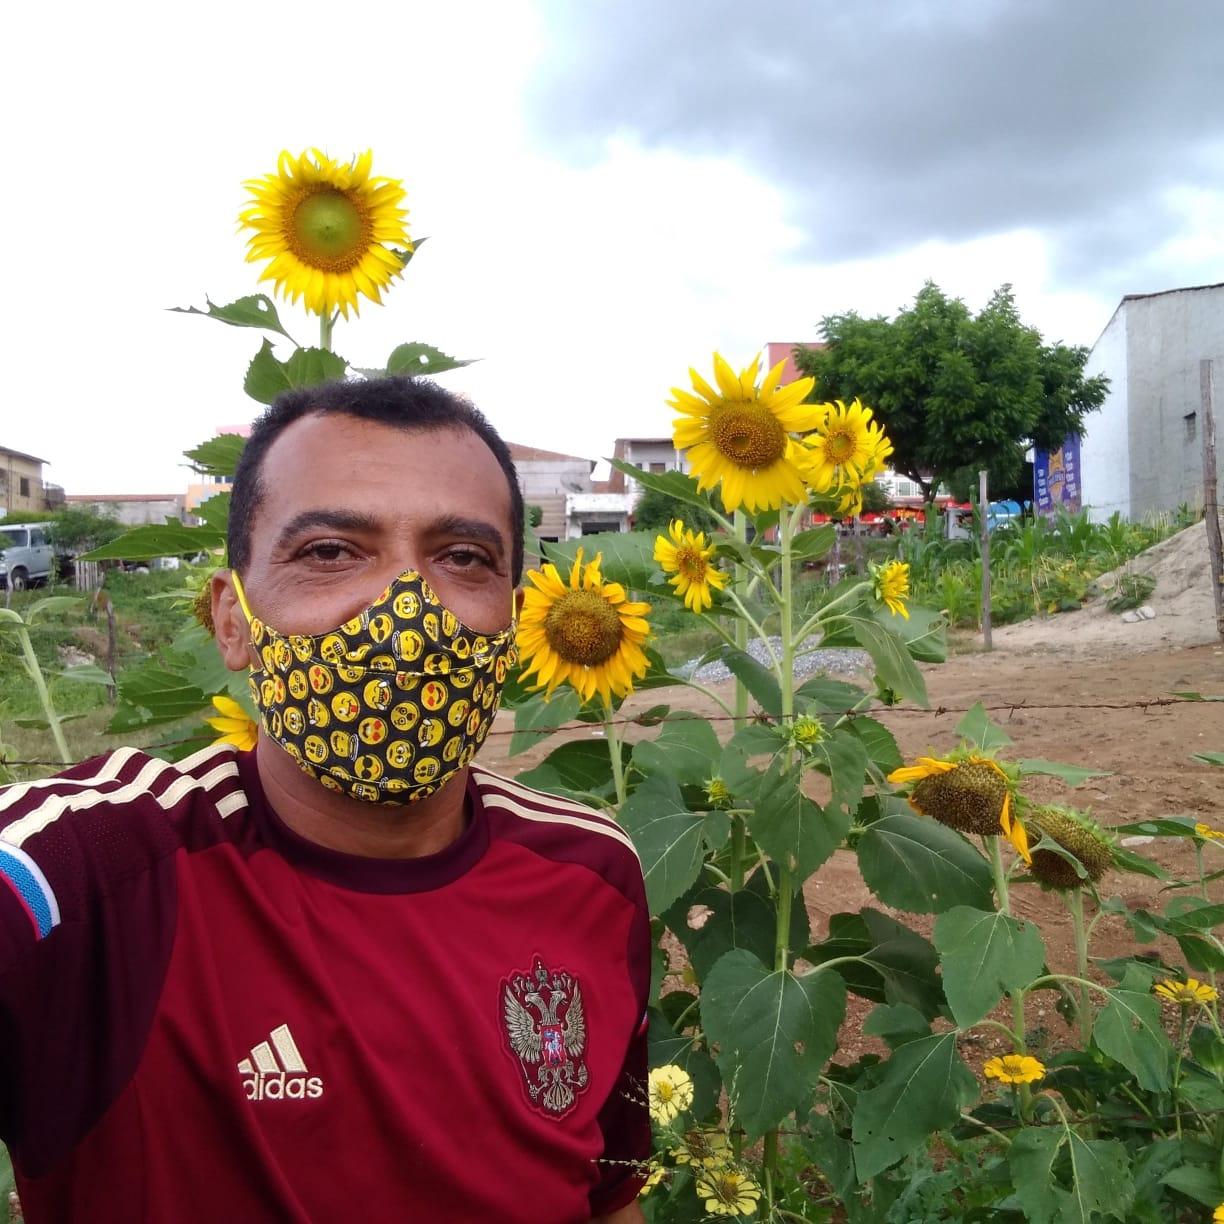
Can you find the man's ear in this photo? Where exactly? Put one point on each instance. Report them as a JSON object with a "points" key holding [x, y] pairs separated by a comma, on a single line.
{"points": [[232, 632]]}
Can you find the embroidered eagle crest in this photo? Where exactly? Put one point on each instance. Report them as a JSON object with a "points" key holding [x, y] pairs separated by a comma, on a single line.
{"points": [[545, 1030]]}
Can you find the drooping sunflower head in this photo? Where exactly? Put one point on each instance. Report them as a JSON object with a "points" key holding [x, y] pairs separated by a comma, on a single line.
{"points": [[327, 229], [585, 632], [1078, 836], [686, 555], [968, 792], [739, 435], [890, 585], [847, 447]]}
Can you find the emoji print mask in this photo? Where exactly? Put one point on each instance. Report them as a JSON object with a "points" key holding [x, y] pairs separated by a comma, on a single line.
{"points": [[388, 706]]}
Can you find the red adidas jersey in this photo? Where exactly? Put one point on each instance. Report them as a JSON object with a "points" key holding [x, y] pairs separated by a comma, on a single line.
{"points": [[206, 1017]]}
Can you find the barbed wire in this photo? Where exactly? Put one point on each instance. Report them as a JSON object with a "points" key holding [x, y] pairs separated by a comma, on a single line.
{"points": [[760, 718]]}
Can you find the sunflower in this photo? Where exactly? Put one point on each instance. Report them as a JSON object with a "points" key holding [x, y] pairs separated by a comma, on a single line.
{"points": [[689, 558], [1014, 1069], [966, 792], [1206, 832], [670, 1093], [326, 227], [740, 434], [846, 448], [1187, 993], [587, 633], [890, 584], [234, 723], [1217, 1216], [728, 1192]]}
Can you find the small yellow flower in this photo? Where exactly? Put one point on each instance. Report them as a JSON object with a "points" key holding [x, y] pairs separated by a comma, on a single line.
{"points": [[1187, 993], [728, 1192], [891, 586], [687, 556], [703, 1149], [234, 724], [670, 1093], [1217, 1216], [1207, 832], [1014, 1069]]}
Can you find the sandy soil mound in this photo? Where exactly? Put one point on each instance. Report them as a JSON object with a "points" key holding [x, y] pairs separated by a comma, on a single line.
{"points": [[1185, 615]]}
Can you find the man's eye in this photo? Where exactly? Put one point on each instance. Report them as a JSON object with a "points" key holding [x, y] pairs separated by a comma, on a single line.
{"points": [[466, 558], [326, 551]]}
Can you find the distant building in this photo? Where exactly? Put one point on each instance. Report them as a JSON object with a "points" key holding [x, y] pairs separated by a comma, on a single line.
{"points": [[22, 486], [1142, 452], [547, 479], [784, 350], [133, 509]]}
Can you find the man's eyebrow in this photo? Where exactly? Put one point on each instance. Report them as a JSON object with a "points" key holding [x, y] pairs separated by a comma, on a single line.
{"points": [[338, 520], [476, 529]]}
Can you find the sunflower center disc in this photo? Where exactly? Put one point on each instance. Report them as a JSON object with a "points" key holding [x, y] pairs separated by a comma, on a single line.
{"points": [[583, 627], [748, 435], [329, 231], [839, 445], [691, 564]]}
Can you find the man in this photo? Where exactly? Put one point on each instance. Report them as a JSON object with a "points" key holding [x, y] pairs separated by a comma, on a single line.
{"points": [[347, 974]]}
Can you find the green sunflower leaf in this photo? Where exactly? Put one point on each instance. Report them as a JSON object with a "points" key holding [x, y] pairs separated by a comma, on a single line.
{"points": [[1072, 775], [254, 311], [536, 719], [791, 828], [984, 954], [218, 456], [919, 865], [267, 377], [924, 1087], [1129, 1030], [668, 838], [893, 662], [423, 360], [774, 1031], [169, 539], [686, 749], [628, 556]]}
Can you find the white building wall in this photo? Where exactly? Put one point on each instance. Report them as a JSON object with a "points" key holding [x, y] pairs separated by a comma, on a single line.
{"points": [[1105, 446], [1168, 334]]}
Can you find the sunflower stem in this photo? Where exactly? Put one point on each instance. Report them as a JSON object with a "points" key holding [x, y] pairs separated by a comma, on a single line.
{"points": [[30, 659], [1075, 904], [614, 754], [327, 321], [1000, 883], [739, 831]]}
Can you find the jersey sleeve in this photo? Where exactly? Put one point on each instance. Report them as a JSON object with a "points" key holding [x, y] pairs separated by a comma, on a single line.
{"points": [[86, 923], [625, 1118]]}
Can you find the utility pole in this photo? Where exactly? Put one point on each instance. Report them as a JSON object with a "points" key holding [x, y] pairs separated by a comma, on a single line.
{"points": [[984, 512]]}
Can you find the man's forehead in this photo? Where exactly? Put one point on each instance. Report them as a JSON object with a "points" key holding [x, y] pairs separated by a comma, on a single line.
{"points": [[381, 470]]}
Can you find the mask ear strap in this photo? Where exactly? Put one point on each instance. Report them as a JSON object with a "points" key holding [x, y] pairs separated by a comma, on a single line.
{"points": [[242, 599]]}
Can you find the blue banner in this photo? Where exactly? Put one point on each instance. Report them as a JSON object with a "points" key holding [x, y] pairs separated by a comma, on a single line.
{"points": [[1056, 477]]}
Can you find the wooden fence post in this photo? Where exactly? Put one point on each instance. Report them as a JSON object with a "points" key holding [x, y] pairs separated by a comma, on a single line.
{"points": [[984, 511], [1211, 497]]}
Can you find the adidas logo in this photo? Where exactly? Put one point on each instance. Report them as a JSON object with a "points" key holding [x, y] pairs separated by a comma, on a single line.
{"points": [[276, 1070]]}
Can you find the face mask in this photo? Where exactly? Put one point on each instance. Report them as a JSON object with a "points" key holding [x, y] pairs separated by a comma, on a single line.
{"points": [[386, 707]]}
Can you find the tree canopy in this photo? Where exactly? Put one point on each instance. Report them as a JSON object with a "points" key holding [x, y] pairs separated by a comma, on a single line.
{"points": [[956, 392], [654, 511]]}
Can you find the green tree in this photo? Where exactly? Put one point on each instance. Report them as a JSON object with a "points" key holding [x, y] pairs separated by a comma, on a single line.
{"points": [[955, 391], [79, 529], [654, 511]]}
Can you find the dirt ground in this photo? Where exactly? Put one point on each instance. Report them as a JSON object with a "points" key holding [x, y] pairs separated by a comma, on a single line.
{"points": [[1144, 749]]}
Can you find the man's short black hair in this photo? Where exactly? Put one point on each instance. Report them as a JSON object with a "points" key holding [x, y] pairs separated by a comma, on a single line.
{"points": [[404, 403]]}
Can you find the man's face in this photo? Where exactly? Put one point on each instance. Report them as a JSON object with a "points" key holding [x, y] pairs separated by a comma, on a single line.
{"points": [[348, 505]]}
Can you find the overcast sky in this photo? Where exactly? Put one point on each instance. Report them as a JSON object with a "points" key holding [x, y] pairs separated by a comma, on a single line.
{"points": [[611, 190]]}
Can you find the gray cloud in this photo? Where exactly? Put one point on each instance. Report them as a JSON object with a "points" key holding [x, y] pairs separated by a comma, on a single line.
{"points": [[887, 123]]}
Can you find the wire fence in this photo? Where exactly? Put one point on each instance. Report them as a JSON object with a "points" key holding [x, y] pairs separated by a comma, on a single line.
{"points": [[649, 721]]}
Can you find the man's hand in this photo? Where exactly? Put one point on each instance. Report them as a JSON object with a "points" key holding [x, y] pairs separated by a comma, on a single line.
{"points": [[631, 1214]]}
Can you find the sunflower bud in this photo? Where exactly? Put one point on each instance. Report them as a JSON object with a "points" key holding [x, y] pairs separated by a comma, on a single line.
{"points": [[806, 731], [201, 608], [716, 791], [1077, 835], [969, 797]]}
